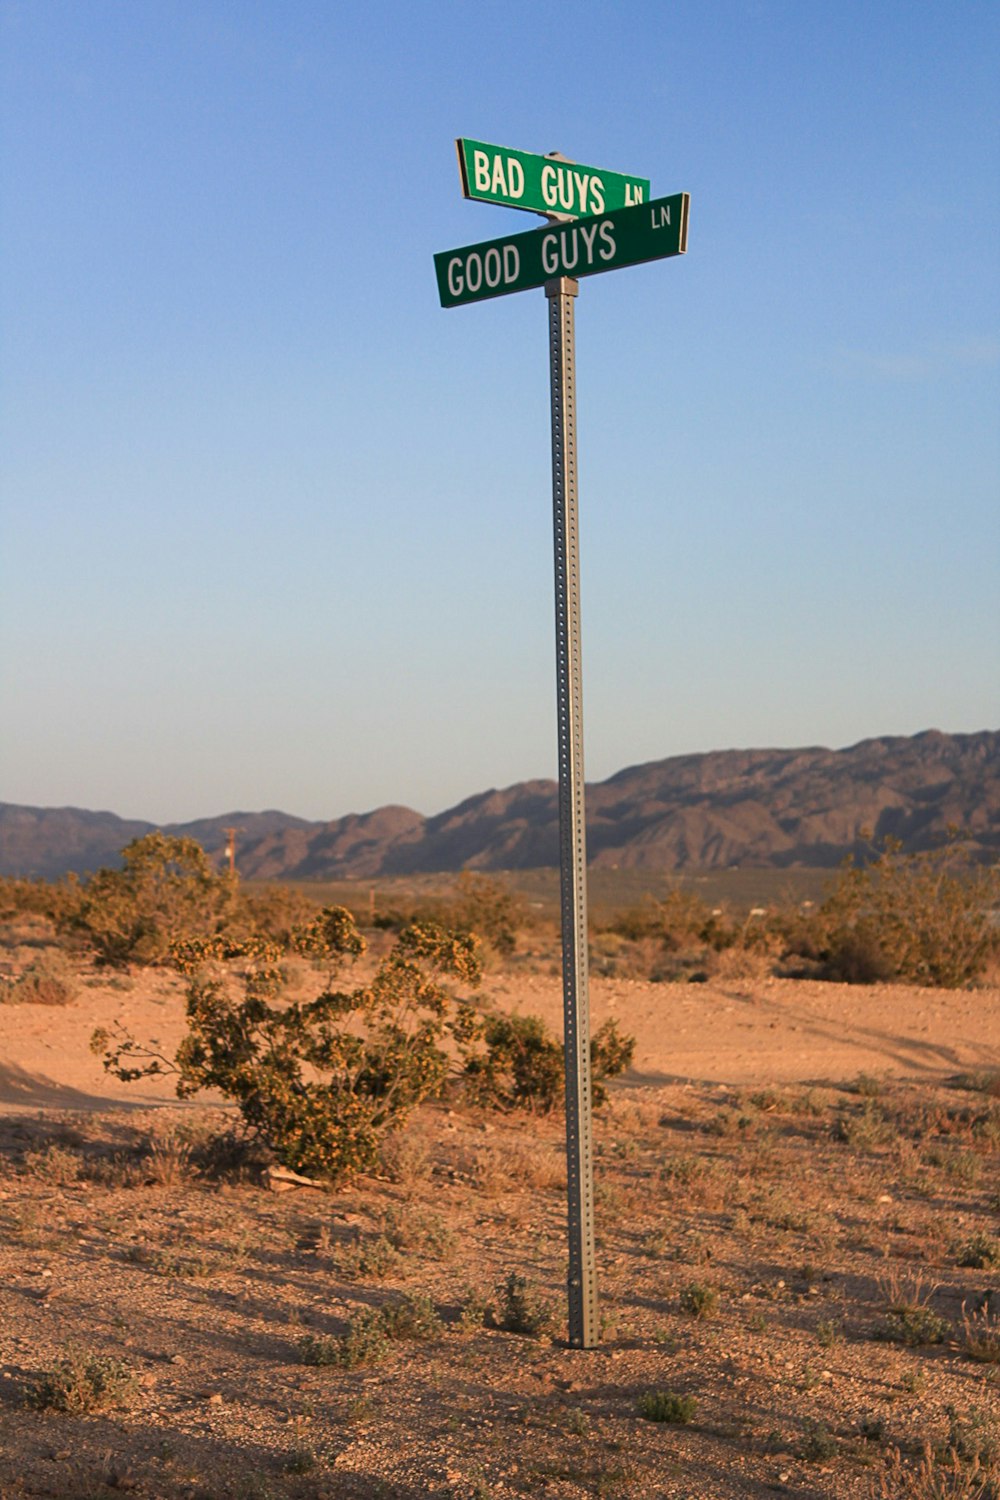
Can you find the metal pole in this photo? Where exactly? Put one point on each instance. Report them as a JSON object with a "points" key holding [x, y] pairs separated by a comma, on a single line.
{"points": [[582, 1276]]}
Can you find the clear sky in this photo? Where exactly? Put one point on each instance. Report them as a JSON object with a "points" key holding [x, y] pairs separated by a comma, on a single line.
{"points": [[277, 529]]}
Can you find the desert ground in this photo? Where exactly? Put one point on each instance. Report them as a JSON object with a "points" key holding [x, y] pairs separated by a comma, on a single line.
{"points": [[798, 1222]]}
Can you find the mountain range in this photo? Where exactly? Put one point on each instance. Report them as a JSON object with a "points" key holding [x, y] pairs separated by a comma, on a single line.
{"points": [[761, 808]]}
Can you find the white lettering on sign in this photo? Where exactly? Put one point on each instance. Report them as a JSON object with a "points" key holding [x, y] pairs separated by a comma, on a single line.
{"points": [[663, 221], [578, 245], [633, 194], [568, 191], [550, 253], [497, 175], [549, 187], [500, 263]]}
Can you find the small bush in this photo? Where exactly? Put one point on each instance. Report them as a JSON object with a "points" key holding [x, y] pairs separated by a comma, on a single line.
{"points": [[981, 1251], [411, 1318], [58, 1165], [522, 1065], [364, 1343], [972, 1437], [700, 1300], [818, 1443], [864, 1130], [48, 980], [981, 1330], [368, 1260], [915, 1326], [82, 1383], [667, 1406], [412, 1230], [518, 1308], [370, 1333]]}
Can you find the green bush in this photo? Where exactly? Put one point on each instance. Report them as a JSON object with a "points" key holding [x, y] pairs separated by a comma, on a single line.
{"points": [[915, 1326], [523, 1064], [667, 1406], [83, 1382], [518, 1308], [165, 891], [370, 1333], [318, 1081]]}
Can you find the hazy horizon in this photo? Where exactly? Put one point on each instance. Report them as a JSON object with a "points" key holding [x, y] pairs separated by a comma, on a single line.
{"points": [[226, 812]]}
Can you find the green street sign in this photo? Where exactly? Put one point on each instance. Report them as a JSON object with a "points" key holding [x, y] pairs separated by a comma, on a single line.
{"points": [[601, 242], [543, 184]]}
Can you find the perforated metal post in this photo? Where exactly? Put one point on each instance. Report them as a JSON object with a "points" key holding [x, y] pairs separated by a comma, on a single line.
{"points": [[582, 1276]]}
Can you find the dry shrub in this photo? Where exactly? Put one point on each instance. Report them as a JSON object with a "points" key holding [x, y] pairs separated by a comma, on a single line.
{"points": [[925, 918], [82, 1383], [509, 1165], [936, 1477], [981, 1330], [55, 1164], [165, 891], [168, 1160], [49, 903], [405, 1157], [48, 980], [742, 964], [481, 905]]}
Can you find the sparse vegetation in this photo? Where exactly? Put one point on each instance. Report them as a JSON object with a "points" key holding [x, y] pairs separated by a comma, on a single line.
{"points": [[981, 1331], [519, 1308], [371, 1332], [82, 1382], [47, 980], [667, 1406], [699, 1300], [741, 1231], [923, 918]]}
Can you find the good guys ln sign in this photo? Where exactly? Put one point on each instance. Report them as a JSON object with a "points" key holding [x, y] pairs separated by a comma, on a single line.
{"points": [[583, 247]]}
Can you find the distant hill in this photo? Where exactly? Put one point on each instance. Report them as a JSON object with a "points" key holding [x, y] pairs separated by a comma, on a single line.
{"points": [[762, 808]]}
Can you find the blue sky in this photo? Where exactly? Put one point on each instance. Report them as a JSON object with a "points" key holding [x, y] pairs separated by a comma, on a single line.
{"points": [[277, 529]]}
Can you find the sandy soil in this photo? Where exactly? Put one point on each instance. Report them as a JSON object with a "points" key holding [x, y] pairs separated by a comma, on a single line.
{"points": [[739, 1032], [798, 1215]]}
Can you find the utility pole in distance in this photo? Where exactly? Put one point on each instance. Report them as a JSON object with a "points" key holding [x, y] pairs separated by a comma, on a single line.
{"points": [[230, 850]]}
